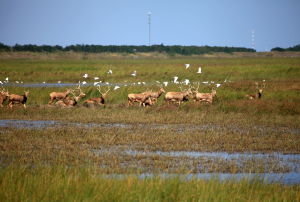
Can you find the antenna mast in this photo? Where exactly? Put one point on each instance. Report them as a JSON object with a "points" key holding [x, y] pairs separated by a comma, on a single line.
{"points": [[253, 39], [149, 22]]}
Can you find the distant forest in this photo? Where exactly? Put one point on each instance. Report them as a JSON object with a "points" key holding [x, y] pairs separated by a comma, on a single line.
{"points": [[294, 48], [176, 49]]}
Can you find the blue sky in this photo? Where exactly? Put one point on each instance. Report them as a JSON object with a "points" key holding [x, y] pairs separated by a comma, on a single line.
{"points": [[174, 22]]}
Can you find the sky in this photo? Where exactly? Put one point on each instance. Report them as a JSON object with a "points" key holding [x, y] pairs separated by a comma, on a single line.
{"points": [[276, 23]]}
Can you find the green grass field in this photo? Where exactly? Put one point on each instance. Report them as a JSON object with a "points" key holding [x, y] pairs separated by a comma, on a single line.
{"points": [[62, 163]]}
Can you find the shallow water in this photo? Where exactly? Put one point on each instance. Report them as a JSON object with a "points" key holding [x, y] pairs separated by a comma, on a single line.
{"points": [[178, 128], [291, 178]]}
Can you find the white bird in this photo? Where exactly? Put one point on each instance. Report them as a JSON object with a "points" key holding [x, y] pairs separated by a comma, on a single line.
{"points": [[175, 79], [205, 82], [21, 81], [187, 66], [139, 83], [85, 76], [157, 82], [116, 87], [106, 83], [44, 81], [134, 73], [84, 82], [165, 83], [144, 83], [96, 78], [225, 80], [17, 81], [186, 81], [218, 85], [6, 78], [1, 82], [59, 82], [96, 83], [109, 71], [212, 82], [199, 70]]}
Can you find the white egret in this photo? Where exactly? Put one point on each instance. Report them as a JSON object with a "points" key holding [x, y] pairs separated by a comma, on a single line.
{"points": [[109, 71], [85, 75], [6, 79], [134, 73], [205, 82], [59, 82], [218, 85], [44, 81], [165, 83], [1, 82], [187, 66], [96, 83], [96, 78], [175, 79], [84, 82], [116, 87], [186, 82], [17, 81], [157, 82], [199, 70]]}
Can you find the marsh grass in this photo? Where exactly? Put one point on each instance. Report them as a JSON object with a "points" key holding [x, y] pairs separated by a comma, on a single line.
{"points": [[85, 184]]}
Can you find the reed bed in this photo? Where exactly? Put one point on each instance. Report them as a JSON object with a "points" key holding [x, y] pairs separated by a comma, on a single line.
{"points": [[85, 184]]}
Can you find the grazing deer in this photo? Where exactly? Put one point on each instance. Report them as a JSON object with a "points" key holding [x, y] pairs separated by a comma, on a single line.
{"points": [[3, 96], [18, 99], [258, 93], [143, 99], [204, 97], [178, 97], [59, 95], [154, 95], [97, 100]]}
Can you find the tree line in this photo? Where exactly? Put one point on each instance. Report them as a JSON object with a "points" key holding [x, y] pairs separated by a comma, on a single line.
{"points": [[175, 49], [294, 48]]}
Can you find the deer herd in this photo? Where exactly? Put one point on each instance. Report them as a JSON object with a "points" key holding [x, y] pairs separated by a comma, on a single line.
{"points": [[70, 97]]}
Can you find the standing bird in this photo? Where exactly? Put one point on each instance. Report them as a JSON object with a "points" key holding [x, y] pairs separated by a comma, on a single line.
{"points": [[199, 70], [110, 71], [85, 76], [175, 79], [187, 66]]}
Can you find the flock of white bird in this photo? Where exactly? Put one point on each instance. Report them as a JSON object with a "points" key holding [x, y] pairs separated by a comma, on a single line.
{"points": [[98, 82]]}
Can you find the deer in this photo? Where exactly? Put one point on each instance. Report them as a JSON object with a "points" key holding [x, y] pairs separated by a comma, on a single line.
{"points": [[71, 102], [18, 99], [178, 97], [59, 95], [204, 97], [3, 96], [100, 101], [143, 99], [258, 94], [154, 95]]}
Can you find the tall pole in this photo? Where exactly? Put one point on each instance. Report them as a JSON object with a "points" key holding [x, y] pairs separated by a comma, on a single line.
{"points": [[253, 39], [149, 22]]}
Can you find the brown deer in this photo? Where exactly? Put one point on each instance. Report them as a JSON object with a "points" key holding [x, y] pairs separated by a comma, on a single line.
{"points": [[71, 102], [258, 94], [59, 95], [178, 97], [18, 99], [154, 95], [97, 101], [204, 97], [142, 99], [3, 96]]}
